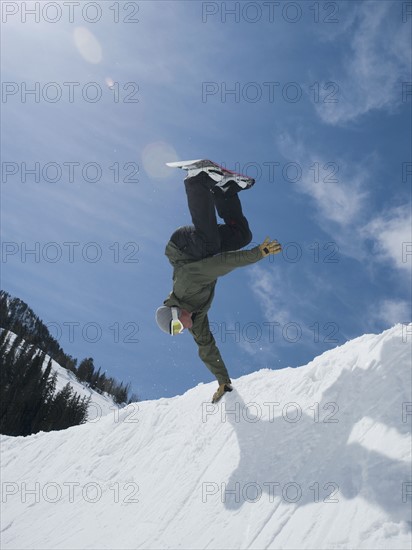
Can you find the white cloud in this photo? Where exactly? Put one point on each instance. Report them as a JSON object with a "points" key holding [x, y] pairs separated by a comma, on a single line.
{"points": [[371, 76], [392, 312], [269, 291], [391, 233], [342, 209], [272, 295], [338, 200]]}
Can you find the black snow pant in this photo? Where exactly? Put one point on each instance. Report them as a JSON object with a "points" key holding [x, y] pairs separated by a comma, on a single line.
{"points": [[206, 237]]}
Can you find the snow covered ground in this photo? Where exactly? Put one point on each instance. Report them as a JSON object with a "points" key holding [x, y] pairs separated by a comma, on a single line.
{"points": [[100, 404], [313, 457]]}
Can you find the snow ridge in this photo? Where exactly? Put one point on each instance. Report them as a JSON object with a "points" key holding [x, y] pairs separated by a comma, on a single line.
{"points": [[313, 457]]}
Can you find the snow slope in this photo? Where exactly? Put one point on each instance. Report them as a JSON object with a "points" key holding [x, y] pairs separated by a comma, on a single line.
{"points": [[100, 404], [313, 457]]}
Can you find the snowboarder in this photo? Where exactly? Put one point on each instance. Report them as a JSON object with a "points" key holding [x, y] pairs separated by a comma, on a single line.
{"points": [[204, 251]]}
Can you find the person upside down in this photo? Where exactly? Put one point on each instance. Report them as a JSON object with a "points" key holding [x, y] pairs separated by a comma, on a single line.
{"points": [[203, 252]]}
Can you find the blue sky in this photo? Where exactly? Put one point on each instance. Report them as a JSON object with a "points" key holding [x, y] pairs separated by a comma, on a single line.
{"points": [[312, 99]]}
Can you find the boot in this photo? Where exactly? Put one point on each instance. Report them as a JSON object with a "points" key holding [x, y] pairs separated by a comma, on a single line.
{"points": [[222, 389], [230, 185]]}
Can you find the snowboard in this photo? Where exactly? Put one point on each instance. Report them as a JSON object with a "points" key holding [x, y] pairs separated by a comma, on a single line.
{"points": [[213, 169]]}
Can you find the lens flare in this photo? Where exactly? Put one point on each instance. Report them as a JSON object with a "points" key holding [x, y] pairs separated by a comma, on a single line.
{"points": [[154, 158], [87, 45]]}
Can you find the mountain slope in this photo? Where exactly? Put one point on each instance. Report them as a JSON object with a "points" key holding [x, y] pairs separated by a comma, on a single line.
{"points": [[313, 457], [17, 317], [100, 403]]}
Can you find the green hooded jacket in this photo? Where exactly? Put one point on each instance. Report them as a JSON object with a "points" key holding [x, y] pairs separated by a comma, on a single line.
{"points": [[193, 290]]}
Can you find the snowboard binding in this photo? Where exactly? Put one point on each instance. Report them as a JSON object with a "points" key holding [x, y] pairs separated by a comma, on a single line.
{"points": [[227, 182]]}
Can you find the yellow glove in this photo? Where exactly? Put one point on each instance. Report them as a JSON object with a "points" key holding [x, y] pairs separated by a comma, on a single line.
{"points": [[270, 247]]}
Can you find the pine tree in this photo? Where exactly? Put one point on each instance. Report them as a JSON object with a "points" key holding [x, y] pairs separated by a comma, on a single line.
{"points": [[86, 370], [29, 403], [16, 316]]}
